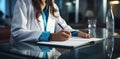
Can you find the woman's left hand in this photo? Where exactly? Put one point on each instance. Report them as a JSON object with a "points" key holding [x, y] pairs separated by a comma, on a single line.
{"points": [[84, 35]]}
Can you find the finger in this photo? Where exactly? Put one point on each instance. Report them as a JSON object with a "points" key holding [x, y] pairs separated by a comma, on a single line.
{"points": [[82, 35], [65, 35], [67, 32], [88, 36]]}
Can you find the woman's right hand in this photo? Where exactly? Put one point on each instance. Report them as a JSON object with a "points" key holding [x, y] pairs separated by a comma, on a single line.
{"points": [[62, 35]]}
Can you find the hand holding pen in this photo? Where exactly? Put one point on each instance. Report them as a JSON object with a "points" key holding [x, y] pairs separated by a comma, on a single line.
{"points": [[62, 35]]}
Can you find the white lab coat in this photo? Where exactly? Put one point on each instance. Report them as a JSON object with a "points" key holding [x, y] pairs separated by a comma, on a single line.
{"points": [[25, 28]]}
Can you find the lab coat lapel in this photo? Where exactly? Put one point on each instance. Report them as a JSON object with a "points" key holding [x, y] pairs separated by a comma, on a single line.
{"points": [[41, 23], [50, 23]]}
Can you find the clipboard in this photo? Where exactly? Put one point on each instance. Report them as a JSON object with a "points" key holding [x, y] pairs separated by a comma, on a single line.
{"points": [[73, 42]]}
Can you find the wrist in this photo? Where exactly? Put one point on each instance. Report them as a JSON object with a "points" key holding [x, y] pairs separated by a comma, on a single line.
{"points": [[51, 37]]}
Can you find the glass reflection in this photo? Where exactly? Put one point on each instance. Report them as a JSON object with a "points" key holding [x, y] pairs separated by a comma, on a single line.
{"points": [[109, 47], [32, 49]]}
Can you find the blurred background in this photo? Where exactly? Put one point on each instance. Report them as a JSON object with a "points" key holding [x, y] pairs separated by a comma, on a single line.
{"points": [[75, 12]]}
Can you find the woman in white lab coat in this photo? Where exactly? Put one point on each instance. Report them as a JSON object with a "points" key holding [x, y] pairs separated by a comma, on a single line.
{"points": [[37, 20]]}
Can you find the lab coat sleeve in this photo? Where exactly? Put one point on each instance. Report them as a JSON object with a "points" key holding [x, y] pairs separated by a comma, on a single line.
{"points": [[44, 36], [19, 30], [62, 22], [74, 33]]}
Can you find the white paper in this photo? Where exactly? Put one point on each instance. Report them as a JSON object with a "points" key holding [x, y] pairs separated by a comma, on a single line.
{"points": [[72, 42]]}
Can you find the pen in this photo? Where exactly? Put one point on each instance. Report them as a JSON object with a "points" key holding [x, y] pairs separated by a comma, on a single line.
{"points": [[60, 25]]}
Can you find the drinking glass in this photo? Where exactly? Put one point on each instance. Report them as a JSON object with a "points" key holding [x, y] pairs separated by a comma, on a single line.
{"points": [[92, 27]]}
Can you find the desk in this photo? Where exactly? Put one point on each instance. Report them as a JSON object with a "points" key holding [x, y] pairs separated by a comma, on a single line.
{"points": [[88, 52]]}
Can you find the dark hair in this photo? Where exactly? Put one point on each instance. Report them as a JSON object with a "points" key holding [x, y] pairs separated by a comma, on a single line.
{"points": [[37, 3], [1, 13]]}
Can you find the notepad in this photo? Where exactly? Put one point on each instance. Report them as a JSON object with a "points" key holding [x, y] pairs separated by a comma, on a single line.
{"points": [[72, 42]]}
